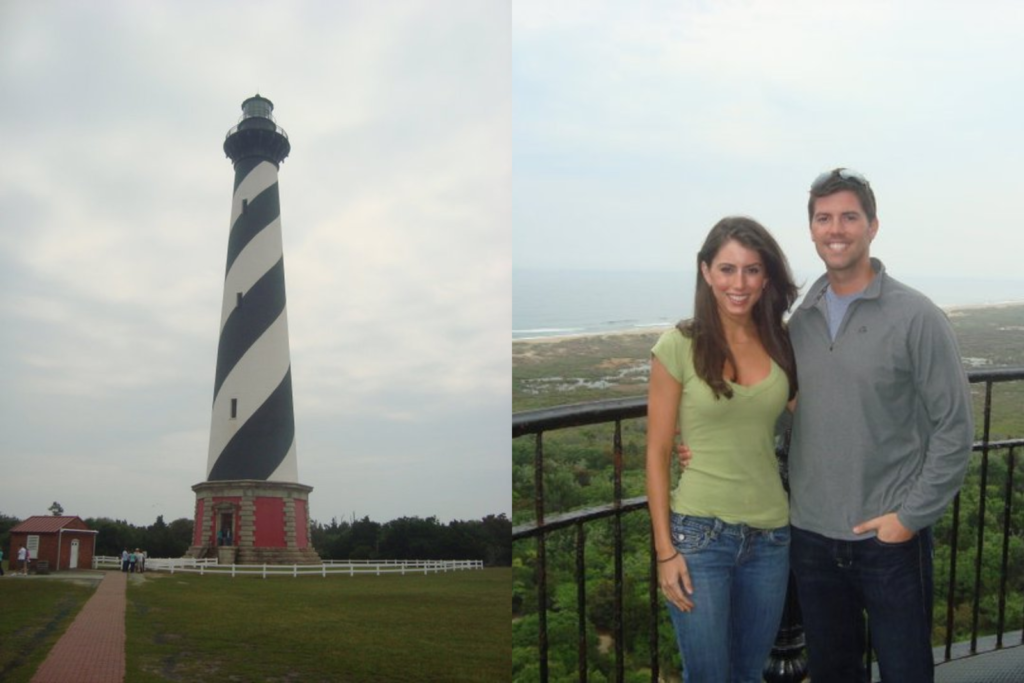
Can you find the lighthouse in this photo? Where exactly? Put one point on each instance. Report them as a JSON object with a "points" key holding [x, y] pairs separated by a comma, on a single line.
{"points": [[251, 509]]}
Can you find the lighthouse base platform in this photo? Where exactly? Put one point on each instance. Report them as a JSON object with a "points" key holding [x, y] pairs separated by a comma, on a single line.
{"points": [[253, 522]]}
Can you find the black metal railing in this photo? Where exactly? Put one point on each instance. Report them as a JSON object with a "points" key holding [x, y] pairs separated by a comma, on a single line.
{"points": [[615, 412]]}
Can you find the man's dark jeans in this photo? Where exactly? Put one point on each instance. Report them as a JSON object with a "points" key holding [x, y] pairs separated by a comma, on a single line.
{"points": [[838, 581]]}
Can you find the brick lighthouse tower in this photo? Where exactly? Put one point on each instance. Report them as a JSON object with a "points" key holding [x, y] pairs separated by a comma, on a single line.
{"points": [[251, 508]]}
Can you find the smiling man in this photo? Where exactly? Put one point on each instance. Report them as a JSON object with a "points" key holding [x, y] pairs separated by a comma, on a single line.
{"points": [[881, 438]]}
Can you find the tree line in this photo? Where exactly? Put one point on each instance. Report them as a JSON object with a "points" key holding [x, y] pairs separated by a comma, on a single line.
{"points": [[414, 538], [406, 538]]}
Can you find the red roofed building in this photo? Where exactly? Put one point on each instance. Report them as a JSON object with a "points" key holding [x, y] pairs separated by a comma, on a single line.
{"points": [[60, 542]]}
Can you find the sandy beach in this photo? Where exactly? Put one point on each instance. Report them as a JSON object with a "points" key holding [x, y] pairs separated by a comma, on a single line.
{"points": [[636, 332], [960, 310]]}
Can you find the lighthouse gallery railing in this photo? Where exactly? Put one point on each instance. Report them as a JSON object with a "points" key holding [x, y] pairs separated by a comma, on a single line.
{"points": [[615, 412]]}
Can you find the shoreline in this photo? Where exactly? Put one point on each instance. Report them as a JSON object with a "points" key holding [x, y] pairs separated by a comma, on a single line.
{"points": [[977, 307], [955, 310], [636, 331]]}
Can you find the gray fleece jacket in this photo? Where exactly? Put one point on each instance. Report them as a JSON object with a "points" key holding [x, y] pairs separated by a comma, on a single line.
{"points": [[884, 417]]}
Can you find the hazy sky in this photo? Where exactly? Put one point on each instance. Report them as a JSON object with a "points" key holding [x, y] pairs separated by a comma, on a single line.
{"points": [[115, 199], [636, 126], [436, 143]]}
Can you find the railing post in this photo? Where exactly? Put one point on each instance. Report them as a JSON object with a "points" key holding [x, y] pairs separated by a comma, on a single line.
{"points": [[1007, 518], [975, 614], [542, 561], [618, 625], [655, 604], [788, 662], [954, 541], [581, 604]]}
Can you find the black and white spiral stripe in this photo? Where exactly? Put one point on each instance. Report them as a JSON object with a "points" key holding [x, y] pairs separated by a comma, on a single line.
{"points": [[252, 435]]}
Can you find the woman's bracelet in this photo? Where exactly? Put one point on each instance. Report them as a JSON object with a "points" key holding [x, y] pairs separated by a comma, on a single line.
{"points": [[670, 557]]}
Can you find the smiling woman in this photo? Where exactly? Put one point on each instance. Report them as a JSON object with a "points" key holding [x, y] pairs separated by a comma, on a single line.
{"points": [[736, 277], [722, 379]]}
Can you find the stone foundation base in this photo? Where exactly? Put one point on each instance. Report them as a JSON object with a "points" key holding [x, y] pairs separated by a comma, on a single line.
{"points": [[201, 552], [234, 555], [277, 556], [253, 522]]}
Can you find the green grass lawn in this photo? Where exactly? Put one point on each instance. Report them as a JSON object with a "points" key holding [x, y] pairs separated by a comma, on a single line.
{"points": [[34, 613], [441, 627]]}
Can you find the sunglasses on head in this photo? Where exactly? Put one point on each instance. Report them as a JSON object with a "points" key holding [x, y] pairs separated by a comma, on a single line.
{"points": [[843, 173]]}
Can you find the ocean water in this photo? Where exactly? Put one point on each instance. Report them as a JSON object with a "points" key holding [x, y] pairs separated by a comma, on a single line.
{"points": [[550, 303]]}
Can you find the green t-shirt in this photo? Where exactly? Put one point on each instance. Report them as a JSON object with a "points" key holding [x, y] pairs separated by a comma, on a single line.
{"points": [[734, 474]]}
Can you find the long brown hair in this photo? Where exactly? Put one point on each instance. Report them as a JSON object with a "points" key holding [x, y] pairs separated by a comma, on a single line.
{"points": [[710, 348]]}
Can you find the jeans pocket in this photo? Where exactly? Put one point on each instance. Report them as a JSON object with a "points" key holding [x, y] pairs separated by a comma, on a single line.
{"points": [[902, 544], [691, 534], [778, 537]]}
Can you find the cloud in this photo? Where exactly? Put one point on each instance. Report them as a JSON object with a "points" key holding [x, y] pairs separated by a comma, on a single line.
{"points": [[395, 214], [637, 128]]}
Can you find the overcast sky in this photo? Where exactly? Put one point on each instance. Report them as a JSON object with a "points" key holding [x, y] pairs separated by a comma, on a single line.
{"points": [[115, 199], [636, 126], [434, 145]]}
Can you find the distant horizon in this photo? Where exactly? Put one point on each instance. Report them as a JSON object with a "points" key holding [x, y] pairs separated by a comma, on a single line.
{"points": [[557, 303], [655, 327], [903, 275]]}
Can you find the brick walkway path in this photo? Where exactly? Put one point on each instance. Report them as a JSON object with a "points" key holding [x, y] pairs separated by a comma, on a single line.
{"points": [[92, 649]]}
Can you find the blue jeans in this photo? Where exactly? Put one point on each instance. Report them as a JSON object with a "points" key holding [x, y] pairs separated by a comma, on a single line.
{"points": [[838, 581], [739, 577]]}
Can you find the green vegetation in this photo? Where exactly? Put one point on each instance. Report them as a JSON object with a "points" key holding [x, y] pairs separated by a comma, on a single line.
{"points": [[415, 538], [578, 474], [554, 372], [158, 539], [451, 627], [35, 613]]}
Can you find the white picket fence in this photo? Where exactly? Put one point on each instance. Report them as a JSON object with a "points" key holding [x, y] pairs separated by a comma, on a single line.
{"points": [[328, 567], [154, 563]]}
